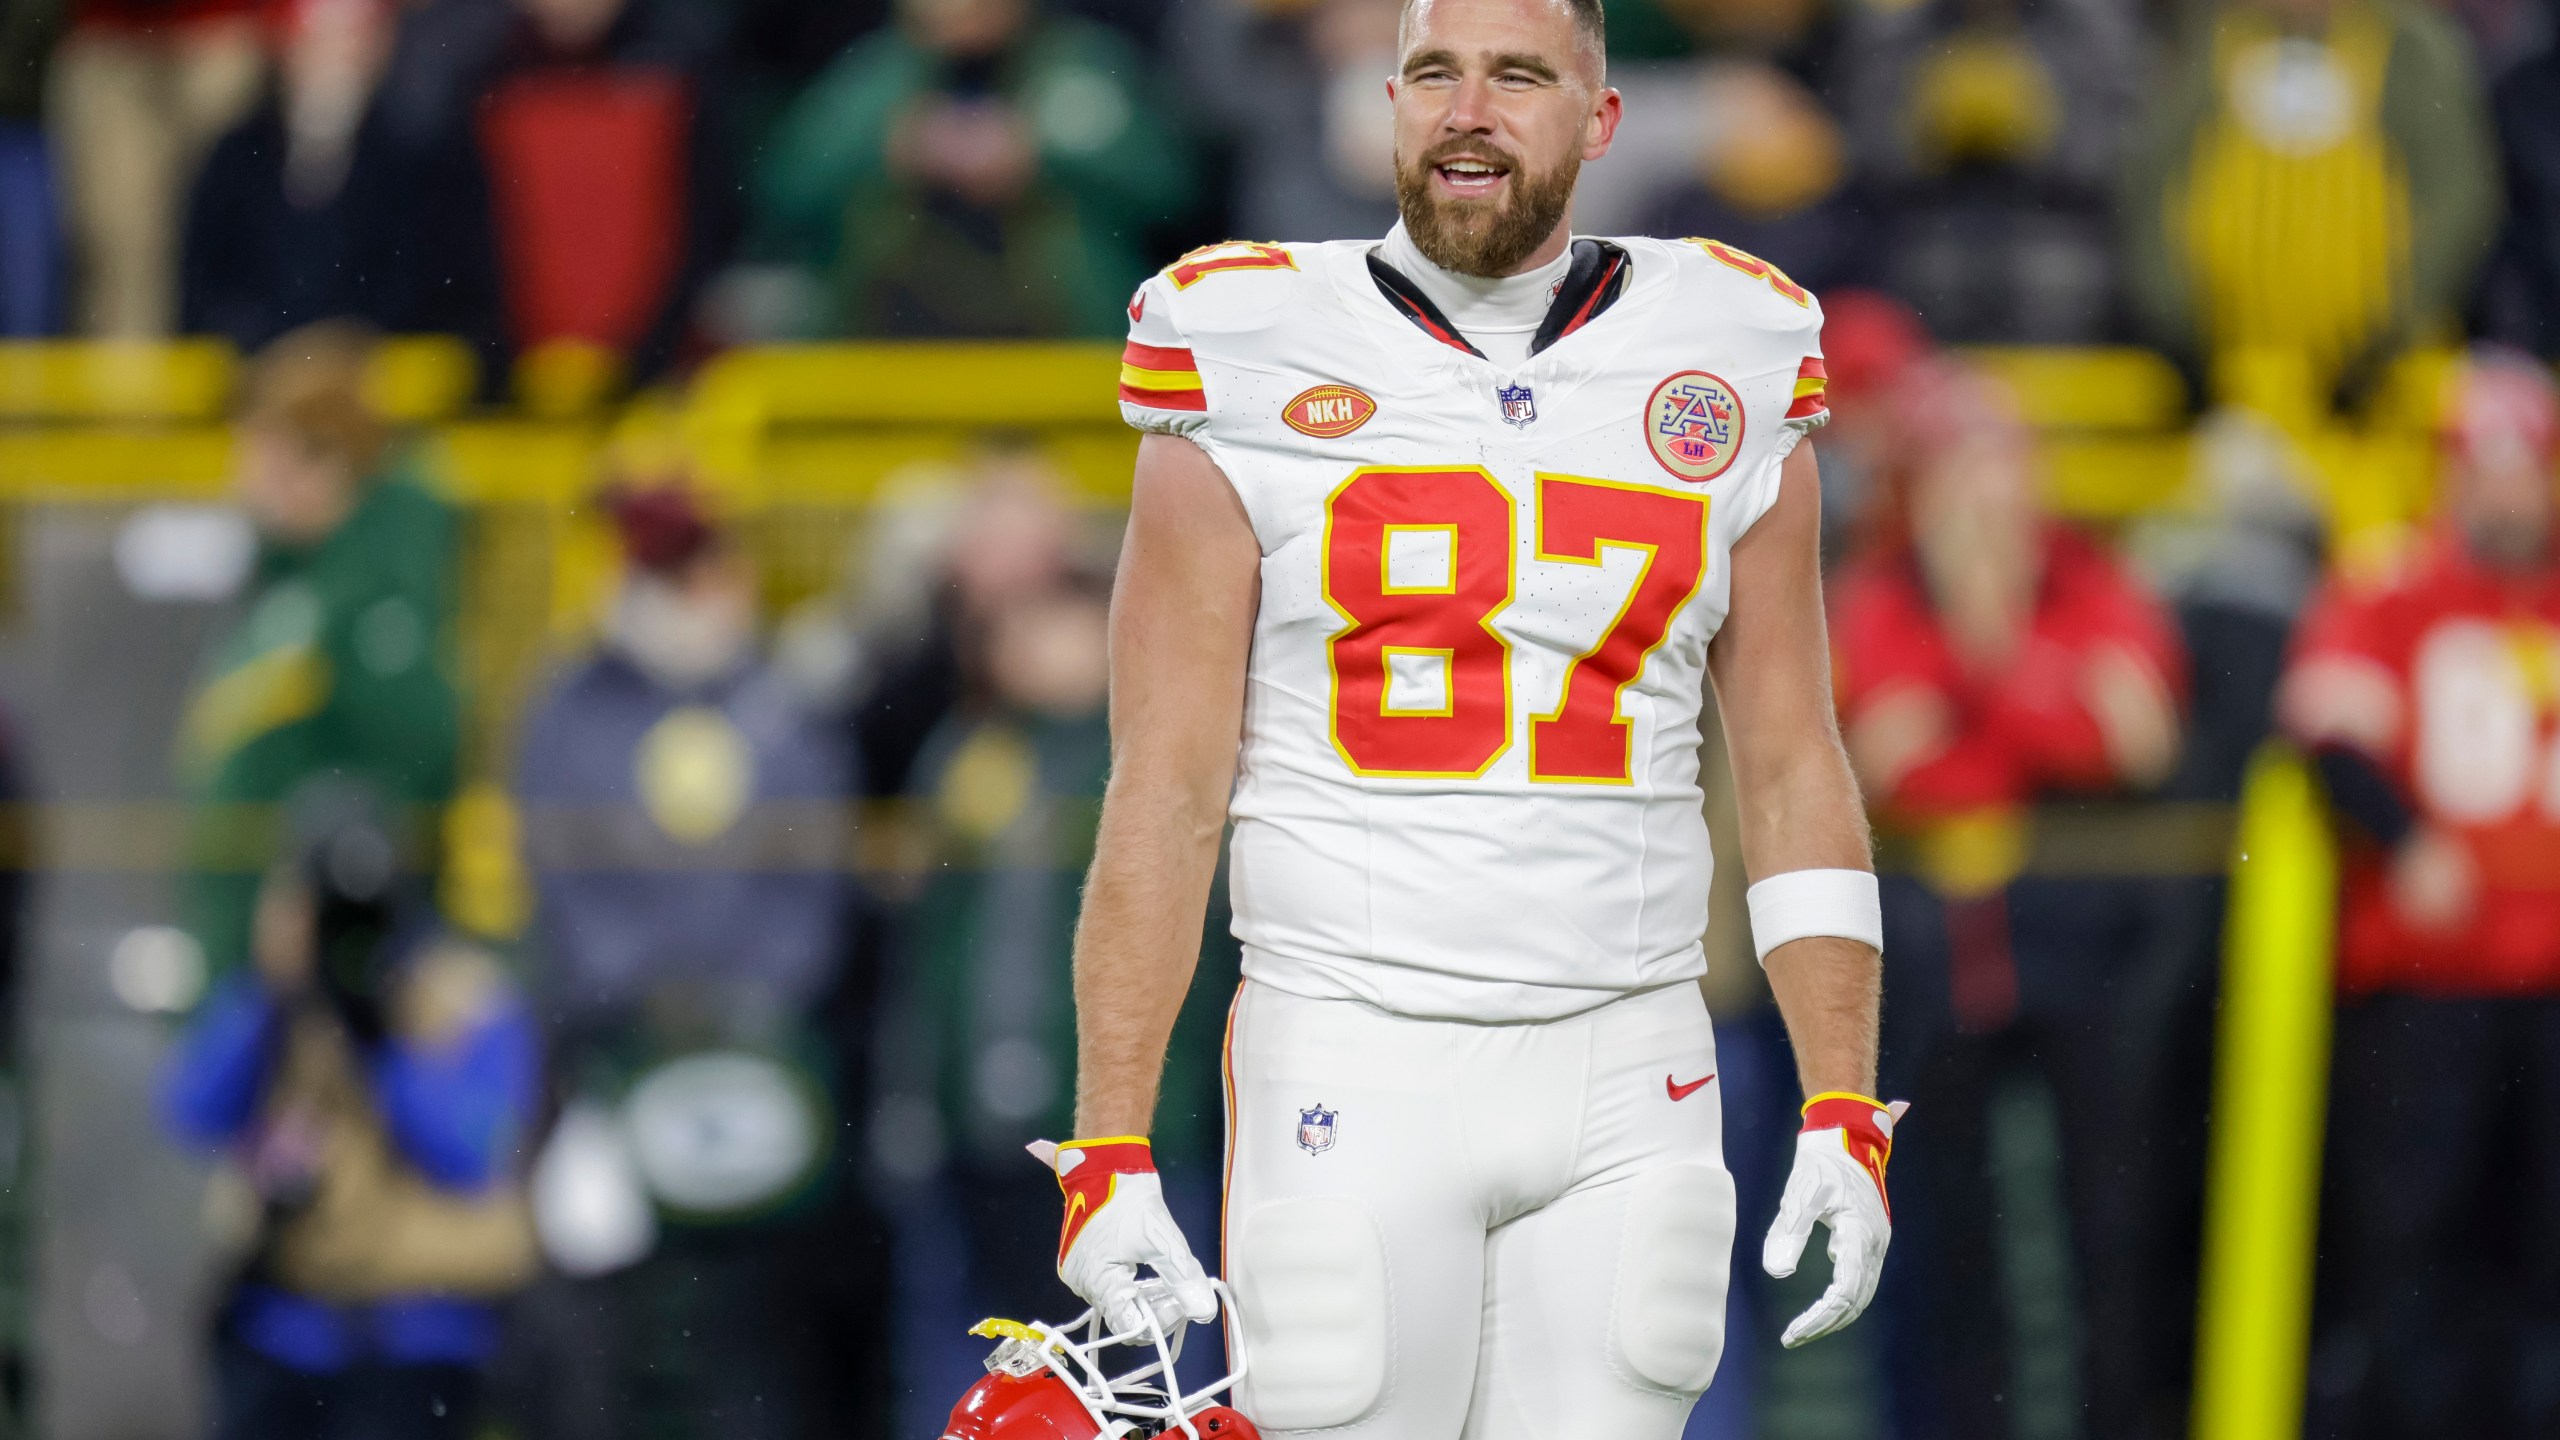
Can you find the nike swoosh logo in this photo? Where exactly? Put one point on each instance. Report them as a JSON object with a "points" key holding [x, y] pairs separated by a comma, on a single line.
{"points": [[1073, 1226], [1679, 1091]]}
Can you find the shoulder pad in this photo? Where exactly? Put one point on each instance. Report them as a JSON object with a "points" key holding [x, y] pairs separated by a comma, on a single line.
{"points": [[1235, 285], [1226, 257], [1761, 293]]}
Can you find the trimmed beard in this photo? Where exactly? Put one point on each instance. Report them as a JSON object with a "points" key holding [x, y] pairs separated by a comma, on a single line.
{"points": [[1472, 237]]}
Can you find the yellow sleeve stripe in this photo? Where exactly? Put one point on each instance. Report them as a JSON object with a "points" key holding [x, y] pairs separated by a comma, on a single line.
{"points": [[1106, 1140], [1137, 379], [1810, 385]]}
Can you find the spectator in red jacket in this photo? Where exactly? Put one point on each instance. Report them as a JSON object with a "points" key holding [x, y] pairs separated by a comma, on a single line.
{"points": [[603, 131], [1989, 661], [2430, 699], [1988, 654]]}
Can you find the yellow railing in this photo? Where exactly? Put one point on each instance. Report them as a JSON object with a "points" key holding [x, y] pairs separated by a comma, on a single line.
{"points": [[2269, 1106], [828, 424]]}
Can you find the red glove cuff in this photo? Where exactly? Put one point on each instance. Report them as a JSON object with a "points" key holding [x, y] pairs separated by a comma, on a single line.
{"points": [[1866, 1131], [1089, 1173]]}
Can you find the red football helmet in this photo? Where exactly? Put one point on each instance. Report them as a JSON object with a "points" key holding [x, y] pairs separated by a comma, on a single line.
{"points": [[1046, 1382]]}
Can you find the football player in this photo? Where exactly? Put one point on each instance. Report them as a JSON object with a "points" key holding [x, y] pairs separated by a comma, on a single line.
{"points": [[1435, 545], [2429, 698]]}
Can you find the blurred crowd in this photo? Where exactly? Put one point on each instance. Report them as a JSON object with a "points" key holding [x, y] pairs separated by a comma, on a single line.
{"points": [[723, 1134], [698, 1110], [646, 181]]}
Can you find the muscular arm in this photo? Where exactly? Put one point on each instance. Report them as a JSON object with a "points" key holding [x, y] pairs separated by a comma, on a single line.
{"points": [[1181, 623], [1799, 806]]}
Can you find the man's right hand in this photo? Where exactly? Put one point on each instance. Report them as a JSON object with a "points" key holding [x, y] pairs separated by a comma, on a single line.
{"points": [[1116, 1221]]}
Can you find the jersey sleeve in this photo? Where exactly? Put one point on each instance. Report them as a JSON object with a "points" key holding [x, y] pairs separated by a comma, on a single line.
{"points": [[1810, 407], [1794, 385], [1159, 379]]}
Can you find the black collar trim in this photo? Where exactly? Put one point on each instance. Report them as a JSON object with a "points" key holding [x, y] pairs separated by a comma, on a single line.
{"points": [[1597, 278], [1592, 283], [1406, 296]]}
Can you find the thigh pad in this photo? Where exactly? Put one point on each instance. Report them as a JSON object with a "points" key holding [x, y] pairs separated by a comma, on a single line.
{"points": [[1673, 1258], [1311, 1292]]}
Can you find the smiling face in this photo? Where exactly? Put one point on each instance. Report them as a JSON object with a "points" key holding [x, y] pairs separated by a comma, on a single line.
{"points": [[2502, 498], [2502, 489], [1497, 104]]}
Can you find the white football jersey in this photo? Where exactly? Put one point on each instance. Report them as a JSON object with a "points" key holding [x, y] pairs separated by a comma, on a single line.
{"points": [[1468, 785]]}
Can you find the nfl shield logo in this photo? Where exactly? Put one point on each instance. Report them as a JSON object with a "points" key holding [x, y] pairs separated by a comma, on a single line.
{"points": [[1519, 404], [1315, 1130]]}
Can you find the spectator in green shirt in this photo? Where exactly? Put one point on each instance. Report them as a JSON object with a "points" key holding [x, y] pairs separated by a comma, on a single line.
{"points": [[336, 665], [983, 168]]}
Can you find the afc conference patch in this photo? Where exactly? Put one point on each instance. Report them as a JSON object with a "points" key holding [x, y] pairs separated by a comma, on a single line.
{"points": [[1519, 404], [1693, 425], [1315, 1130]]}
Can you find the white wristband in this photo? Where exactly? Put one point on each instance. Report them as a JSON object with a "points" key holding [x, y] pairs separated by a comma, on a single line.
{"points": [[1816, 902]]}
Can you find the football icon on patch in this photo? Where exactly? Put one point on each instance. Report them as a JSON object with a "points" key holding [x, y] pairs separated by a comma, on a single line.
{"points": [[1329, 412], [1519, 404], [1693, 425], [1315, 1130]]}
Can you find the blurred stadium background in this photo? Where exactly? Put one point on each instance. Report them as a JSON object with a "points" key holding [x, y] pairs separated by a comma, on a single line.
{"points": [[679, 553]]}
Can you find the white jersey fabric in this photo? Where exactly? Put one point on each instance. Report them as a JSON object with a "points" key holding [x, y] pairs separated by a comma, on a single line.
{"points": [[1426, 821]]}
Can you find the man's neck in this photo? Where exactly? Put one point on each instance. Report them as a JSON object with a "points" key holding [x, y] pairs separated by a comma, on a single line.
{"points": [[1499, 316], [1551, 250]]}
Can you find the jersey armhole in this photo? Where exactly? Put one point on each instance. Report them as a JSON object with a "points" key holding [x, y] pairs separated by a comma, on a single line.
{"points": [[1806, 412]]}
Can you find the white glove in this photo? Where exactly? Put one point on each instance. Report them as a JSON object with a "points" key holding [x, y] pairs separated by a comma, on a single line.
{"points": [[1115, 1222], [1838, 1180]]}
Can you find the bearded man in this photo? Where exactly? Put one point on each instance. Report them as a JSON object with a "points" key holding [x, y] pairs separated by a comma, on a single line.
{"points": [[1436, 545]]}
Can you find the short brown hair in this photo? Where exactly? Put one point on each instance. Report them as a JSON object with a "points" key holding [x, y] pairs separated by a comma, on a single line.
{"points": [[309, 385], [1588, 21]]}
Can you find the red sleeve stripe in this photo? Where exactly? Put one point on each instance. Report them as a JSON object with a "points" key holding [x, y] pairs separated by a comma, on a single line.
{"points": [[1165, 399], [1811, 381], [1158, 357]]}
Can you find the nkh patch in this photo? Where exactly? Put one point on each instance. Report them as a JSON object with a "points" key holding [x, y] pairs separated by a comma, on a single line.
{"points": [[1315, 1130], [1328, 412], [1519, 404]]}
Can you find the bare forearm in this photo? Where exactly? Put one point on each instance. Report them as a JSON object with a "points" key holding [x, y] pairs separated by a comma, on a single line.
{"points": [[1800, 809], [1181, 627], [1798, 801], [1830, 990], [1136, 945], [1831, 993]]}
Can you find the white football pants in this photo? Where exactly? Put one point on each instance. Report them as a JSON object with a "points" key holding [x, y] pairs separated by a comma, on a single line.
{"points": [[1440, 1230]]}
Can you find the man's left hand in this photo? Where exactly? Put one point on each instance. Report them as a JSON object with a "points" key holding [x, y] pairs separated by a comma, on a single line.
{"points": [[1838, 1181]]}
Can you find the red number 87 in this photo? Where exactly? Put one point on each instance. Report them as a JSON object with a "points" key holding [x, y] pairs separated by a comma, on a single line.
{"points": [[1419, 560]]}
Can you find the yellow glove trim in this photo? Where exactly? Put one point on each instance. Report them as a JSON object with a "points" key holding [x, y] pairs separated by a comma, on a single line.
{"points": [[1106, 1140], [1813, 1100]]}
